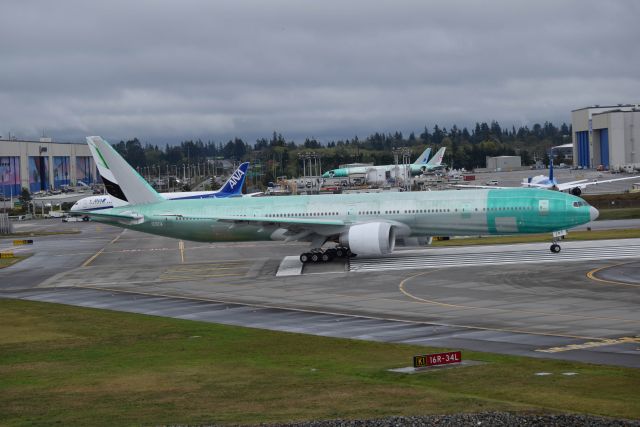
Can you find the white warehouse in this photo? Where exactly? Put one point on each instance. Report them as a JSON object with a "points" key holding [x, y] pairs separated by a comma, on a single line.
{"points": [[606, 136]]}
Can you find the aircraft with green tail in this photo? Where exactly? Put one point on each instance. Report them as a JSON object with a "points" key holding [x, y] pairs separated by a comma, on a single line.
{"points": [[365, 224], [420, 166]]}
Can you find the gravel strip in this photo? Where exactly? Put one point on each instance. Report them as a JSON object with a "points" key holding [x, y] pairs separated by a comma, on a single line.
{"points": [[483, 419]]}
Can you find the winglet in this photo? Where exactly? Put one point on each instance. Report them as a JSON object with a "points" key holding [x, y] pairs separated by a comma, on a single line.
{"points": [[120, 179], [233, 186]]}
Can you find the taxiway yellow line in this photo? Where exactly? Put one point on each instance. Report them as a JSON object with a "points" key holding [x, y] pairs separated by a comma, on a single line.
{"points": [[90, 260], [402, 289], [591, 275], [591, 344], [333, 313]]}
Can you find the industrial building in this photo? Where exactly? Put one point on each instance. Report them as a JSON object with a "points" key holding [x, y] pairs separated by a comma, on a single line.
{"points": [[606, 136], [503, 163], [43, 165]]}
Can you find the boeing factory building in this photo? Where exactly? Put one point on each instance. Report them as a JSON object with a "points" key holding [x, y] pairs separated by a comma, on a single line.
{"points": [[43, 165], [607, 136]]}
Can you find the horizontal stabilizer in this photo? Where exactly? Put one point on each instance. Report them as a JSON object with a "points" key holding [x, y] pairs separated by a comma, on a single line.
{"points": [[125, 218]]}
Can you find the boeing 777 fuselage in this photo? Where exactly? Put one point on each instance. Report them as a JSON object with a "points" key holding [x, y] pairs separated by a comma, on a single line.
{"points": [[438, 213], [367, 224]]}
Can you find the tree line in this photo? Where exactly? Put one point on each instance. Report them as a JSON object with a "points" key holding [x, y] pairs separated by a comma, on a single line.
{"points": [[276, 156]]}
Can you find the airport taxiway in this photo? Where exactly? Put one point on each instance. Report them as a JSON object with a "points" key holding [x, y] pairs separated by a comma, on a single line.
{"points": [[574, 308]]}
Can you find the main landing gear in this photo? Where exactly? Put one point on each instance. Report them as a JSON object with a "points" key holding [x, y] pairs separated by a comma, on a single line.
{"points": [[557, 236], [325, 255]]}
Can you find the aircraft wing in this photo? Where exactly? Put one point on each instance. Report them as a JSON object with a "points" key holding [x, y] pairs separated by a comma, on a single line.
{"points": [[284, 221], [293, 228], [584, 183]]}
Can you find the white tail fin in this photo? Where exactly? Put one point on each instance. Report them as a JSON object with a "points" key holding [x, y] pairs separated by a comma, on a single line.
{"points": [[424, 157], [120, 179], [436, 160]]}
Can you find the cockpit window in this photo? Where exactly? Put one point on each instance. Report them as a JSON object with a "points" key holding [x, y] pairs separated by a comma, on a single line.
{"points": [[578, 204]]}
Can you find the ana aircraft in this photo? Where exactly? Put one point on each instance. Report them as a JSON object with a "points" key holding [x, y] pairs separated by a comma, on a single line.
{"points": [[420, 166], [366, 224], [231, 188]]}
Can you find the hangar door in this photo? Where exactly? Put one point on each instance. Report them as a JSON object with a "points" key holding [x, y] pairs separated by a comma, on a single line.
{"points": [[582, 139], [604, 148]]}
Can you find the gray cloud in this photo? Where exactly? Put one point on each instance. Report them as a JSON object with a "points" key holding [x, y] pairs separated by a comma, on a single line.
{"points": [[167, 71]]}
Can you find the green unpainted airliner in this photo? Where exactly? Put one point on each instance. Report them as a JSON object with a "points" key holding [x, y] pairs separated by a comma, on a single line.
{"points": [[366, 224], [420, 166]]}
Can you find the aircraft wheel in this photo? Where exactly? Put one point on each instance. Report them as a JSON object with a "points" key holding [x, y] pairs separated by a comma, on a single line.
{"points": [[315, 257], [340, 252], [326, 257], [304, 258], [555, 248]]}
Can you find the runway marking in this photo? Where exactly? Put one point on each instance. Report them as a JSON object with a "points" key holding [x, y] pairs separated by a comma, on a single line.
{"points": [[205, 271], [434, 260], [331, 313], [90, 260], [402, 289], [590, 344], [197, 277], [591, 275]]}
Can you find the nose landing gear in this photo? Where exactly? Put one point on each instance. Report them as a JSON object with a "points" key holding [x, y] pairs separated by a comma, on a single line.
{"points": [[557, 236]]}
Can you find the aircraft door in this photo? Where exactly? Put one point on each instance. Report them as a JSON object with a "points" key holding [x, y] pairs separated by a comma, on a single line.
{"points": [[466, 210], [543, 207]]}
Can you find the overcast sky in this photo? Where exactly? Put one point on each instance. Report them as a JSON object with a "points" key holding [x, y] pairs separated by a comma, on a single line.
{"points": [[169, 71]]}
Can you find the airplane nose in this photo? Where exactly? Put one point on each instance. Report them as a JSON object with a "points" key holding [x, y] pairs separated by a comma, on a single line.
{"points": [[593, 212]]}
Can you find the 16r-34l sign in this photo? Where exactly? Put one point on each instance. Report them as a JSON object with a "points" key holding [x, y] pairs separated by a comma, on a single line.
{"points": [[426, 360]]}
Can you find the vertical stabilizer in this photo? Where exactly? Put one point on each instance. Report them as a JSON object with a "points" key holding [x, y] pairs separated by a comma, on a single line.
{"points": [[436, 160], [233, 186], [551, 180], [424, 157], [120, 179]]}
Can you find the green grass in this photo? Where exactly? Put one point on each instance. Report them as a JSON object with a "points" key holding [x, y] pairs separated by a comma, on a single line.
{"points": [[545, 237], [6, 262], [619, 213], [74, 366]]}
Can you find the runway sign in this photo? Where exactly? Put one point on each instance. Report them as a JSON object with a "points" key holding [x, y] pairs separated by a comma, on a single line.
{"points": [[7, 255], [426, 360], [22, 242]]}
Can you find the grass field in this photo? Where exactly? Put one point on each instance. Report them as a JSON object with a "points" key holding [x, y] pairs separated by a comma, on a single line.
{"points": [[544, 237], [619, 213], [6, 262], [74, 366]]}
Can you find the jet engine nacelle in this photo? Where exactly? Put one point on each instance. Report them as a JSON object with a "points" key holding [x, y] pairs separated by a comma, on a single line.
{"points": [[576, 191], [370, 239]]}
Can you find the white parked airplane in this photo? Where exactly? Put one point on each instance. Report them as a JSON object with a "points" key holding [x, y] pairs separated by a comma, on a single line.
{"points": [[573, 187], [550, 183]]}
